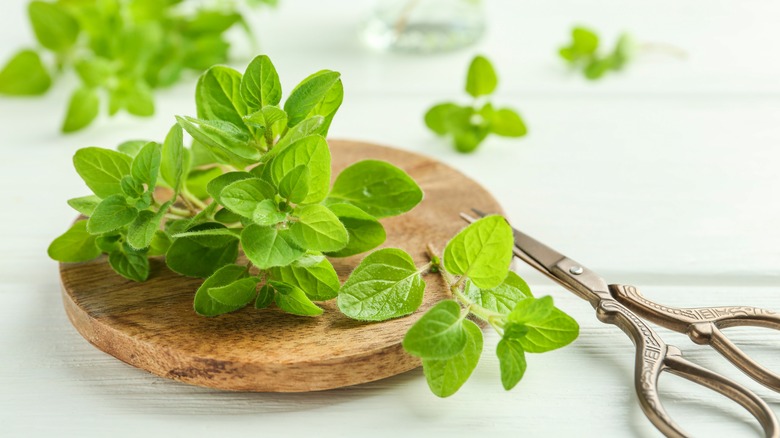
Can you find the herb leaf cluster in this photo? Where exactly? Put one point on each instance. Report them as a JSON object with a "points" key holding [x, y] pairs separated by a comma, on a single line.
{"points": [[469, 125], [256, 179], [582, 53], [120, 49], [475, 265]]}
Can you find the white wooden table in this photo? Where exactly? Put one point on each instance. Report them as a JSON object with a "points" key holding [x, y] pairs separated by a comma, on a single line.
{"points": [[665, 176]]}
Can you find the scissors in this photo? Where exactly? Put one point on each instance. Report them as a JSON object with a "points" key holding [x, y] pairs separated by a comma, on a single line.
{"points": [[625, 307]]}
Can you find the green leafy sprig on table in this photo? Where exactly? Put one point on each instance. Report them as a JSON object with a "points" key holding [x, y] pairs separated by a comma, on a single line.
{"points": [[469, 125], [475, 265], [582, 53], [120, 49], [256, 178]]}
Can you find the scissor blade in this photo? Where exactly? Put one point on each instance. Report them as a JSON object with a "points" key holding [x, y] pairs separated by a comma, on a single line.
{"points": [[530, 250]]}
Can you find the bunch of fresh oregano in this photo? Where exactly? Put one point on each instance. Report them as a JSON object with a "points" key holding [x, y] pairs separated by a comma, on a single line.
{"points": [[120, 49], [582, 53], [469, 125], [256, 180], [475, 265]]}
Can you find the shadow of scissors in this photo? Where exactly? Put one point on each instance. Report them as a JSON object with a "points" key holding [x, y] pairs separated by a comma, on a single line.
{"points": [[626, 308]]}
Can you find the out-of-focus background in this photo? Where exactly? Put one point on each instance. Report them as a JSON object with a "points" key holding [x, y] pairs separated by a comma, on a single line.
{"points": [[663, 175]]}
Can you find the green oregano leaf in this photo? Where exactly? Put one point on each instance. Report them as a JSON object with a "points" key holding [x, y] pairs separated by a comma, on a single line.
{"points": [[260, 84], [102, 169], [446, 376], [365, 232], [482, 252], [82, 109], [292, 300], [376, 187], [502, 298], [111, 214], [318, 229], [267, 246], [130, 264], [146, 165], [386, 284], [75, 245], [204, 304], [511, 357], [312, 274], [24, 75], [439, 334], [481, 79], [85, 205]]}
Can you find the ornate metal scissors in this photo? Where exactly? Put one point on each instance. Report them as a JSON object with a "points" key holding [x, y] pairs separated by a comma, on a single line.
{"points": [[626, 308]]}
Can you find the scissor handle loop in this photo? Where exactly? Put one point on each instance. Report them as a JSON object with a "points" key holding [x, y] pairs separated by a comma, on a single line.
{"points": [[703, 325], [653, 357]]}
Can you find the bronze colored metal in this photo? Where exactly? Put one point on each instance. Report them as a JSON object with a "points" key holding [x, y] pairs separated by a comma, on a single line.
{"points": [[624, 307]]}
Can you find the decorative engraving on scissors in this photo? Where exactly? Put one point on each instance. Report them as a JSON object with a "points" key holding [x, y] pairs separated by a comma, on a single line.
{"points": [[699, 314]]}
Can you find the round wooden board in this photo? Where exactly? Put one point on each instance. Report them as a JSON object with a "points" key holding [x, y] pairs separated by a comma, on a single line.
{"points": [[152, 326]]}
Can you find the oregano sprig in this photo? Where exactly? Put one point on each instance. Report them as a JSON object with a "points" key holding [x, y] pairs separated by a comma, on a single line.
{"points": [[469, 125], [582, 53], [256, 179], [121, 50], [475, 266]]}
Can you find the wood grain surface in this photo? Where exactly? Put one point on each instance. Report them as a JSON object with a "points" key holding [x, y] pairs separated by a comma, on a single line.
{"points": [[152, 325]]}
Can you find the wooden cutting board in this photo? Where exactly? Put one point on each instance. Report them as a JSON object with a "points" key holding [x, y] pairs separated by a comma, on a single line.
{"points": [[152, 325]]}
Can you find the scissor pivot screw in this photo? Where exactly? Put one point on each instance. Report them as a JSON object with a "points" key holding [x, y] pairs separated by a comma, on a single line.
{"points": [[576, 270]]}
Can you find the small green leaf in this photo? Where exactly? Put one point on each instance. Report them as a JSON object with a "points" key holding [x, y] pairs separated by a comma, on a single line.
{"points": [[85, 205], [438, 117], [146, 165], [548, 327], [439, 334], [502, 298], [314, 275], [267, 247], [292, 300], [482, 252], [586, 42], [131, 187], [195, 258], [365, 232], [111, 214], [227, 142], [82, 109], [507, 123], [216, 185], [481, 79], [243, 196], [386, 284], [311, 152], [267, 213], [131, 147], [236, 294], [597, 68], [172, 158], [218, 96], [306, 128], [625, 50], [260, 84], [142, 230], [130, 264], [264, 297], [102, 169], [75, 245], [446, 376], [54, 27], [511, 359], [295, 185], [24, 75], [376, 187], [318, 229], [204, 304], [320, 94]]}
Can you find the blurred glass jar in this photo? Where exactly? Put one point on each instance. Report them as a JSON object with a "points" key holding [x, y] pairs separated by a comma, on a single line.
{"points": [[424, 26]]}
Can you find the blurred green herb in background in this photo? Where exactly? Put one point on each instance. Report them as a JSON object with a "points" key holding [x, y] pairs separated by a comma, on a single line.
{"points": [[469, 125], [582, 53], [120, 49]]}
